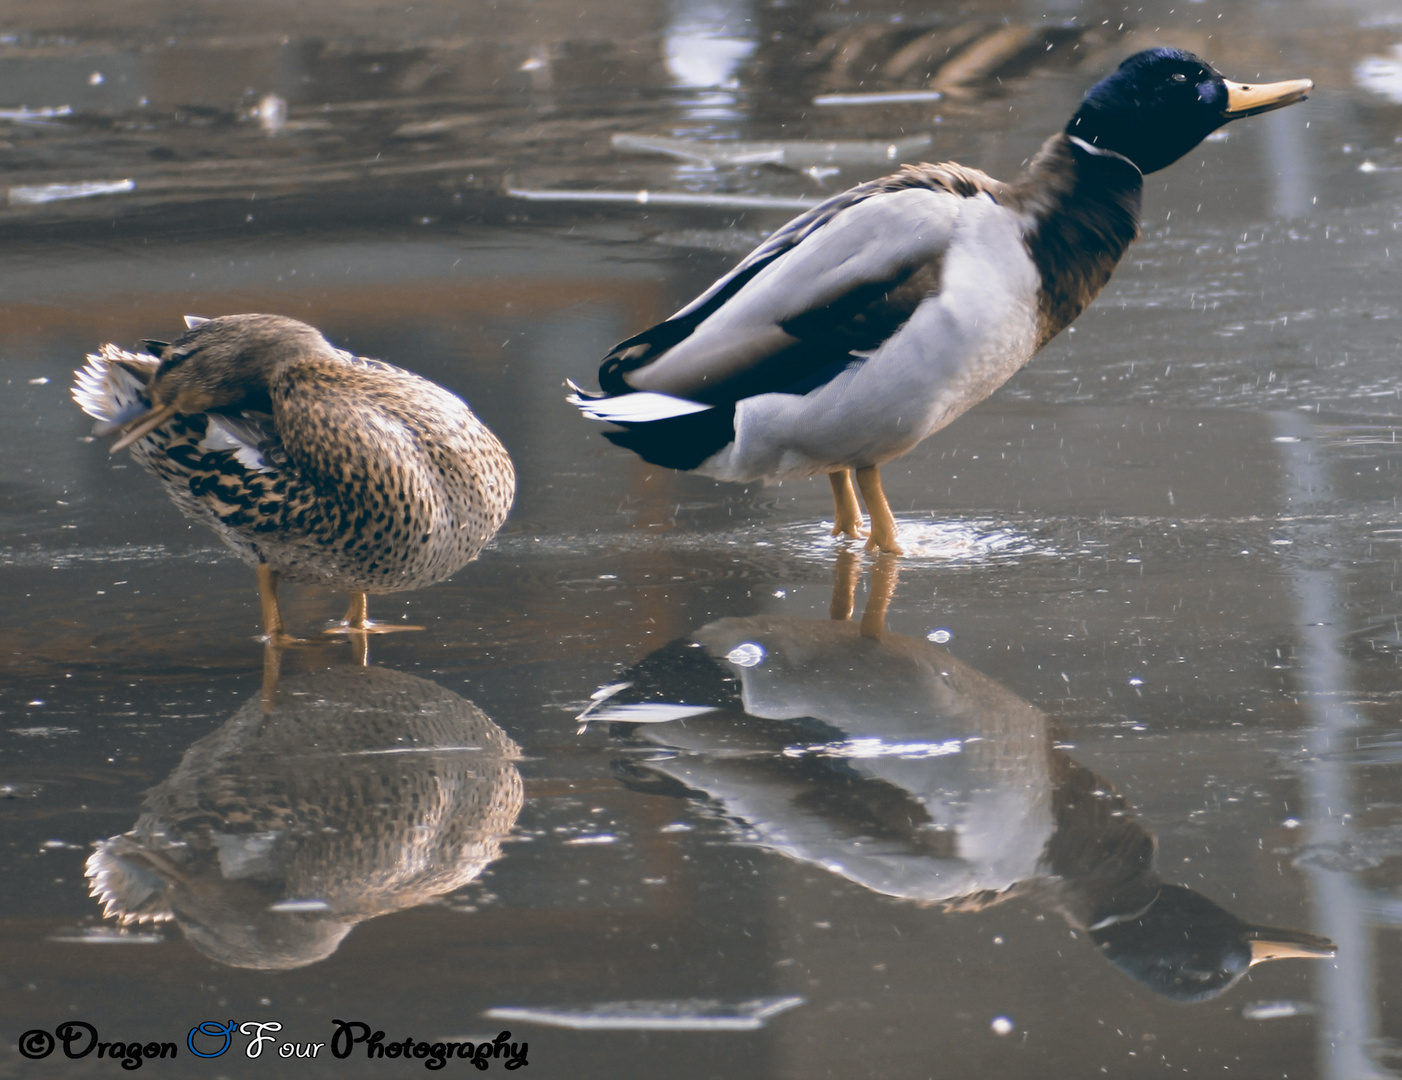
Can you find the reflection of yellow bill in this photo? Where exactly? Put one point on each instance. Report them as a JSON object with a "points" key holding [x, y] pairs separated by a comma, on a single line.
{"points": [[1245, 100], [1303, 947]]}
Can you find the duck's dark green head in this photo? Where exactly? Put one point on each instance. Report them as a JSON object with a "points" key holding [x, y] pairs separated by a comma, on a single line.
{"points": [[1161, 103]]}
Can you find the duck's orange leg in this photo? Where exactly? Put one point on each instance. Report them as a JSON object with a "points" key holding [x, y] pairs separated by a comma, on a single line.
{"points": [[273, 632], [883, 587], [844, 585], [272, 667], [883, 522], [358, 614], [847, 515]]}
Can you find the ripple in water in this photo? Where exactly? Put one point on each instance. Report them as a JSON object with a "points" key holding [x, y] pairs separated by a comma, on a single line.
{"points": [[968, 541]]}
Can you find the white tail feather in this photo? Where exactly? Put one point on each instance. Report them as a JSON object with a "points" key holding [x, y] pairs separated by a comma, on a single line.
{"points": [[640, 408], [192, 321], [129, 890], [643, 712], [106, 390]]}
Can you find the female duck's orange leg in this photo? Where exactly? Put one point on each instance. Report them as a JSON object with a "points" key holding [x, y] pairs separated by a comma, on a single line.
{"points": [[273, 631]]}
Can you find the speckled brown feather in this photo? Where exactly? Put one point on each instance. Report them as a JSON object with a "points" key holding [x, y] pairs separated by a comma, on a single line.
{"points": [[373, 479], [363, 790]]}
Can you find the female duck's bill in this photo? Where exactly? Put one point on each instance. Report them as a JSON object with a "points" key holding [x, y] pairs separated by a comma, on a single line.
{"points": [[876, 318]]}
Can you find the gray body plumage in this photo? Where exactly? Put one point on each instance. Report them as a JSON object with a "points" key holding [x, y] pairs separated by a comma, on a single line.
{"points": [[955, 349], [966, 764]]}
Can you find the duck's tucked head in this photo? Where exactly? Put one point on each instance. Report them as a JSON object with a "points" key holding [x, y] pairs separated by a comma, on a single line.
{"points": [[223, 363], [1161, 103]]}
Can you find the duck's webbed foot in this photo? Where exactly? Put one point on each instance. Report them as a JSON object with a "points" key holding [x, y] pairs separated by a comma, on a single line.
{"points": [[357, 620], [274, 633], [883, 522], [847, 514]]}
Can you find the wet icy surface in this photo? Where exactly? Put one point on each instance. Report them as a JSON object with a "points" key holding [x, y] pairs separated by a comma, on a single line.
{"points": [[1149, 589]]}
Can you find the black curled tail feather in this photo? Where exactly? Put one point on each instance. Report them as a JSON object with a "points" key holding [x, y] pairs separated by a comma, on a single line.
{"points": [[639, 350], [682, 442]]}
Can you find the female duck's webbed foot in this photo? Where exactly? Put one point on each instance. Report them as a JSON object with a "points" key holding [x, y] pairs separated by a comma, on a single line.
{"points": [[847, 515], [883, 522], [357, 620]]}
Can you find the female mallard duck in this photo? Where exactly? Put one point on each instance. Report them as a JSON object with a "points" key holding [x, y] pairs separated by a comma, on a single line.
{"points": [[314, 465], [878, 317]]}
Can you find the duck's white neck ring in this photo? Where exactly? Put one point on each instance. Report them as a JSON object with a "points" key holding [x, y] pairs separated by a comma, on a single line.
{"points": [[1100, 151]]}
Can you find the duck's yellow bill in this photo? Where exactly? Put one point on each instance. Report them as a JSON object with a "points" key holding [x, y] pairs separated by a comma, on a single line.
{"points": [[1244, 100]]}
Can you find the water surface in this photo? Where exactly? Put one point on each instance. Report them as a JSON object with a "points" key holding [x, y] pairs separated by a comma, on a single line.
{"points": [[1146, 622]]}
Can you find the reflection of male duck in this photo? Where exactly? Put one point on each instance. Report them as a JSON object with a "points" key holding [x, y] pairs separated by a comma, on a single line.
{"points": [[884, 759], [350, 794]]}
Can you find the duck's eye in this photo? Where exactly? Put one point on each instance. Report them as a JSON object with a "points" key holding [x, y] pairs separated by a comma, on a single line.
{"points": [[1178, 76]]}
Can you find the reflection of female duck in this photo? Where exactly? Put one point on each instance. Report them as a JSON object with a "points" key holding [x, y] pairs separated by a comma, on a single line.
{"points": [[314, 465], [884, 759], [359, 792]]}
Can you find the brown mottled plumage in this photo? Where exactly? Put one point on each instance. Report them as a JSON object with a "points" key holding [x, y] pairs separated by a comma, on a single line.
{"points": [[314, 465]]}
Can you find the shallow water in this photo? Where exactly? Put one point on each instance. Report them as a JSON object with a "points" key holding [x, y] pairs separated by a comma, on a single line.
{"points": [[1148, 596]]}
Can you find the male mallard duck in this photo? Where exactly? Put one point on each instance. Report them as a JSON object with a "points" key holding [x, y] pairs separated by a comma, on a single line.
{"points": [[314, 465], [876, 318]]}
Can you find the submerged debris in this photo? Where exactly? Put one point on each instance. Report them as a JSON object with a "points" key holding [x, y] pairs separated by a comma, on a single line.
{"points": [[30, 195], [665, 198], [790, 154]]}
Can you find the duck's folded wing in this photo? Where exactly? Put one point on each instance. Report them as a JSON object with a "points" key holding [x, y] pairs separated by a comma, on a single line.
{"points": [[369, 430], [831, 284], [250, 437], [821, 810]]}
